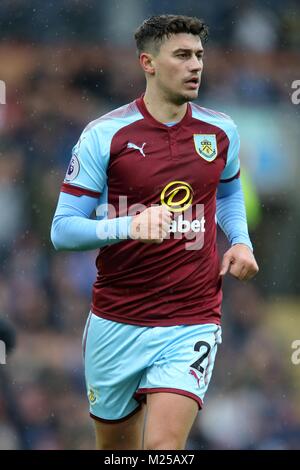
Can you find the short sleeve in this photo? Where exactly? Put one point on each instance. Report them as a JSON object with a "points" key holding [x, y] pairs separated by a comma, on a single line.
{"points": [[87, 168], [232, 166]]}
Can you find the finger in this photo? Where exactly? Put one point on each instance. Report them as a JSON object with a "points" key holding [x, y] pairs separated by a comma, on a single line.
{"points": [[165, 233], [236, 270], [167, 217], [225, 265], [166, 227], [243, 276], [160, 233], [164, 219], [165, 211], [250, 273]]}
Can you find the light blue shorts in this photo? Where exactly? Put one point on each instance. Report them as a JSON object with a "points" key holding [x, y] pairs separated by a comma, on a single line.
{"points": [[125, 362]]}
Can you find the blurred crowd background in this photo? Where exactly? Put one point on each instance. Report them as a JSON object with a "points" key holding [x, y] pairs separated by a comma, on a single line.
{"points": [[66, 62]]}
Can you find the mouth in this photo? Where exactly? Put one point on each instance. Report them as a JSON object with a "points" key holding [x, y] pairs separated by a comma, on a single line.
{"points": [[193, 82]]}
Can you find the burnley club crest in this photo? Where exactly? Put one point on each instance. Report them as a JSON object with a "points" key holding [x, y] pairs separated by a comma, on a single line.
{"points": [[206, 146]]}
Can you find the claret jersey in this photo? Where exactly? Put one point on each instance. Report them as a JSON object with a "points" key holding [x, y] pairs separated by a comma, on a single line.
{"points": [[129, 161]]}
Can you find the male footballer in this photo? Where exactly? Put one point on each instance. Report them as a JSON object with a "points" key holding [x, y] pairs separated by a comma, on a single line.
{"points": [[159, 172]]}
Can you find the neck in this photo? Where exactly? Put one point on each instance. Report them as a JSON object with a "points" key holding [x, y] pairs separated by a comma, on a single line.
{"points": [[161, 109]]}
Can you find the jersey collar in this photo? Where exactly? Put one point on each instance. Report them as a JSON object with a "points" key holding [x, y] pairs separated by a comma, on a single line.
{"points": [[142, 108]]}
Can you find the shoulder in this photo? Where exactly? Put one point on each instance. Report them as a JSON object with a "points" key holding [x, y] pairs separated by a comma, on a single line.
{"points": [[207, 113], [114, 120], [215, 118]]}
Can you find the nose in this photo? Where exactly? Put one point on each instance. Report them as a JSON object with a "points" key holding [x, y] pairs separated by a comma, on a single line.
{"points": [[196, 63]]}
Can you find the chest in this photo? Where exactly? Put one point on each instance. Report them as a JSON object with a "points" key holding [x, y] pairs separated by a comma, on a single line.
{"points": [[143, 163]]}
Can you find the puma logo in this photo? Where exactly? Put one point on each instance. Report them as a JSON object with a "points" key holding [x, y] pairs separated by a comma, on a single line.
{"points": [[193, 373], [130, 145]]}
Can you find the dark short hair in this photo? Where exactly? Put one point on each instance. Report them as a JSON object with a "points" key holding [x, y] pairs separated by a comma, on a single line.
{"points": [[155, 29]]}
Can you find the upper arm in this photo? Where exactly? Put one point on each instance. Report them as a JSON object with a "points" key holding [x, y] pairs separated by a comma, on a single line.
{"points": [[70, 205], [228, 188], [86, 173], [232, 166]]}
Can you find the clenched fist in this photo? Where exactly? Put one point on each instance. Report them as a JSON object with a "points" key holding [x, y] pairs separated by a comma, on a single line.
{"points": [[152, 225], [240, 262]]}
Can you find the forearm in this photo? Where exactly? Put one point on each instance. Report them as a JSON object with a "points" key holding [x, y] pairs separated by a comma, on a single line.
{"points": [[78, 233], [231, 213], [72, 228]]}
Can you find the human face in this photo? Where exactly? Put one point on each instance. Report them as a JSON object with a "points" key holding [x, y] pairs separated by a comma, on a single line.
{"points": [[178, 67]]}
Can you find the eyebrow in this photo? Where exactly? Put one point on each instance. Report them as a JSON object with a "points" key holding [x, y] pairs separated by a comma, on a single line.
{"points": [[183, 49]]}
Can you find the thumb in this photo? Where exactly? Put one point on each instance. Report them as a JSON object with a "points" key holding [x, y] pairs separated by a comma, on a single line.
{"points": [[225, 265]]}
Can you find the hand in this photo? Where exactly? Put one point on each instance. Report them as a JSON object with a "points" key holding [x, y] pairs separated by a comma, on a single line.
{"points": [[152, 225], [240, 262]]}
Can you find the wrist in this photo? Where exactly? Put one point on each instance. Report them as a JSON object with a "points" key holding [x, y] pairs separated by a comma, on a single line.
{"points": [[114, 229], [125, 227], [248, 244]]}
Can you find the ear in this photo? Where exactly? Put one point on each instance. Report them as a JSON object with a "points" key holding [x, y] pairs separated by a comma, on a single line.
{"points": [[147, 63]]}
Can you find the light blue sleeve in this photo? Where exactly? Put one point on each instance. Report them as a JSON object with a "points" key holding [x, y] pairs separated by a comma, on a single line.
{"points": [[231, 213], [72, 229], [233, 163], [89, 161]]}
